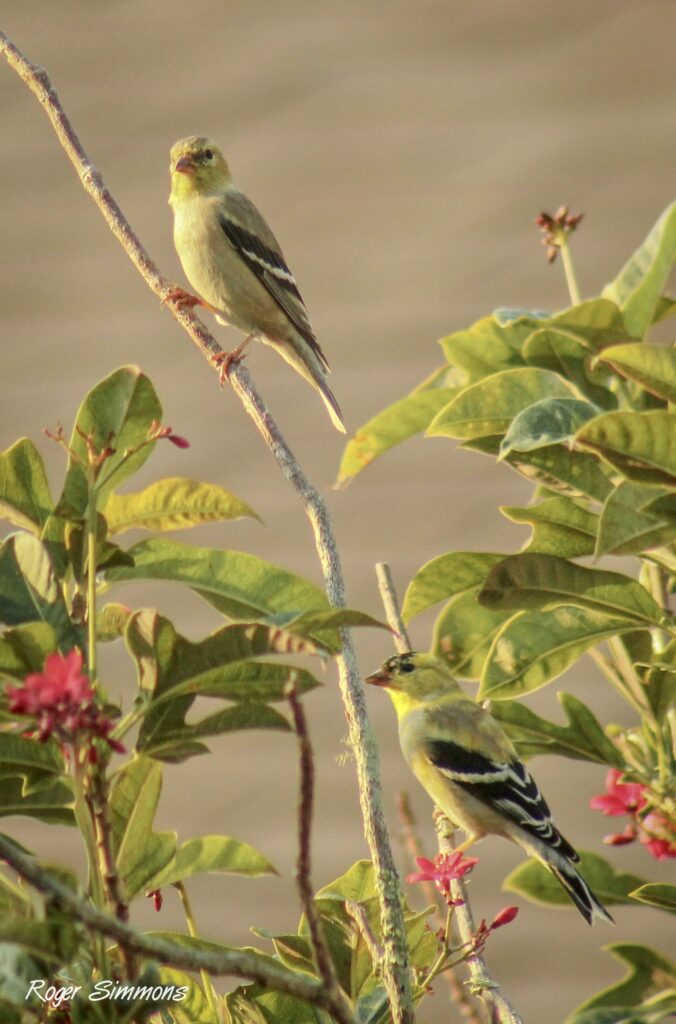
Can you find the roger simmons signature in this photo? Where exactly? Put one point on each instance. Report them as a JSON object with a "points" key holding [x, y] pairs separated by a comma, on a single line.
{"points": [[56, 996]]}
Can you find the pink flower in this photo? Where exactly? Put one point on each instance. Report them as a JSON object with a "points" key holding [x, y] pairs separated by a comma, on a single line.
{"points": [[156, 896], [62, 702], [504, 916], [621, 838], [658, 836], [620, 797], [442, 870]]}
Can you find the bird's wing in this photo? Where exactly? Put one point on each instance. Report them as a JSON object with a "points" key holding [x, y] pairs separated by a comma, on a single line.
{"points": [[256, 245], [505, 786]]}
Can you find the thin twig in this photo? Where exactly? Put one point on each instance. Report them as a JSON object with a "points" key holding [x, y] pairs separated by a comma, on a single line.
{"points": [[481, 983], [240, 963], [396, 969], [360, 918], [341, 1007], [413, 845]]}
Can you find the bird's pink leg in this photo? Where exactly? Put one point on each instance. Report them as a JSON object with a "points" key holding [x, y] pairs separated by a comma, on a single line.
{"points": [[185, 300]]}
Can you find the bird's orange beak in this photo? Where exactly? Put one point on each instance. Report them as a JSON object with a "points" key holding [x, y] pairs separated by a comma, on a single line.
{"points": [[184, 165], [379, 678]]}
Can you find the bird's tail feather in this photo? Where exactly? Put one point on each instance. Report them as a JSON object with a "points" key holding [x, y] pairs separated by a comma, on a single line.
{"points": [[580, 893], [332, 406]]}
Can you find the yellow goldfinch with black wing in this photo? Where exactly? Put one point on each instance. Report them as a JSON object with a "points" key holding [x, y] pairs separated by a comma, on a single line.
{"points": [[233, 260], [468, 765]]}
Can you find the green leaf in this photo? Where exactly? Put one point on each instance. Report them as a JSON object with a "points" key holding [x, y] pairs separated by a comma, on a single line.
{"points": [[549, 421], [652, 366], [534, 581], [23, 650], [489, 406], [30, 592], [464, 633], [140, 853], [651, 979], [488, 346], [357, 884], [51, 804], [642, 445], [571, 472], [560, 526], [581, 739], [569, 355], [173, 504], [446, 576], [535, 647], [536, 883], [657, 894], [56, 941], [24, 491], [638, 286], [238, 584], [213, 855], [406, 418], [111, 621], [20, 756], [634, 519], [597, 321]]}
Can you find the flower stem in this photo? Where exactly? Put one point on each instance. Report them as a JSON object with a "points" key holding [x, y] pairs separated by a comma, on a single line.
{"points": [[87, 828], [192, 928], [91, 578], [569, 271]]}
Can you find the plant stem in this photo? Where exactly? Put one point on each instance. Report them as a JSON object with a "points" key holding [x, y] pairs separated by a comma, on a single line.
{"points": [[87, 829], [207, 984], [569, 271], [396, 969], [91, 580]]}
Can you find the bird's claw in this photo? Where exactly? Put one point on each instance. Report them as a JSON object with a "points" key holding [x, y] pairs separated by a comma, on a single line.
{"points": [[224, 360], [181, 298]]}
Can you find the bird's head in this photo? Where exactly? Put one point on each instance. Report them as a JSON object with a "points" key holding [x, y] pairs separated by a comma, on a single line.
{"points": [[197, 167], [416, 675]]}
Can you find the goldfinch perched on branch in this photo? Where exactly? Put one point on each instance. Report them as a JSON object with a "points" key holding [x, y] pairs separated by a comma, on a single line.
{"points": [[231, 257], [468, 765]]}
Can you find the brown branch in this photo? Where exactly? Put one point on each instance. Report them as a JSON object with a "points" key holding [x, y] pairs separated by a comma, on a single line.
{"points": [[396, 968], [341, 1007], [481, 983], [240, 963]]}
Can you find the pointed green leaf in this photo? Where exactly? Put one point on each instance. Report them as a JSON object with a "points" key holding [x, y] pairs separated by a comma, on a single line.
{"points": [[560, 526], [19, 756], [406, 418], [24, 491], [111, 621], [30, 592], [582, 738], [490, 405], [536, 883], [651, 979], [464, 633], [140, 853], [534, 581], [213, 855], [444, 577], [549, 421], [631, 522], [657, 894], [535, 647], [240, 585], [357, 884], [653, 366], [642, 445], [638, 286], [597, 321], [175, 503]]}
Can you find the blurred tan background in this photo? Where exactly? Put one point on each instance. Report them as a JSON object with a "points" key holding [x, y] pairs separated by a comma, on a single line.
{"points": [[401, 151]]}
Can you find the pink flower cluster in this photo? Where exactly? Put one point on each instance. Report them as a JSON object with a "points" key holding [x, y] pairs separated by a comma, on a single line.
{"points": [[61, 701], [654, 829], [441, 871]]}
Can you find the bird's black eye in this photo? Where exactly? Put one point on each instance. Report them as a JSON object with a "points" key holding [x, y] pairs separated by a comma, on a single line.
{"points": [[208, 154], [407, 666]]}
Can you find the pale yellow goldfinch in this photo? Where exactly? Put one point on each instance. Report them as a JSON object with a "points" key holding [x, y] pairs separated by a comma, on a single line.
{"points": [[469, 767], [233, 260]]}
